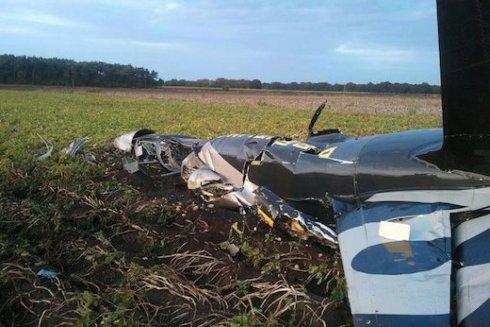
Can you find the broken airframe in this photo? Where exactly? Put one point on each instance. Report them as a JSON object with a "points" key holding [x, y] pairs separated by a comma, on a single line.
{"points": [[411, 210], [224, 171]]}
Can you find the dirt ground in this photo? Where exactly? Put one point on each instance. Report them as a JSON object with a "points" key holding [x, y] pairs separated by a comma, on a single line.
{"points": [[152, 253], [283, 257]]}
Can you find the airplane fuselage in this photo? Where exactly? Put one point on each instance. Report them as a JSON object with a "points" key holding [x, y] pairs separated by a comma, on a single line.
{"points": [[338, 167]]}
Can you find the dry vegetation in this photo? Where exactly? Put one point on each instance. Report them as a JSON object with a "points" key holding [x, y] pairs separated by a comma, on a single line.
{"points": [[140, 250], [352, 102]]}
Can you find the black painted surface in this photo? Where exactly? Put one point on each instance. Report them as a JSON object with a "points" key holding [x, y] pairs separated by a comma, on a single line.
{"points": [[464, 42], [356, 169]]}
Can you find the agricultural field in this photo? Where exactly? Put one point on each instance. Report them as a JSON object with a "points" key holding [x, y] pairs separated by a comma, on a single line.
{"points": [[352, 102], [142, 250]]}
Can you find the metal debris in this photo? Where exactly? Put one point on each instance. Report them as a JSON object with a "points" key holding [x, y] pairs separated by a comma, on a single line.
{"points": [[72, 150], [47, 274], [130, 165], [150, 150], [206, 167], [75, 147], [49, 149], [90, 157]]}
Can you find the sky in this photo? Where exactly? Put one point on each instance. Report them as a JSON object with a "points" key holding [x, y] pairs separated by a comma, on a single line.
{"points": [[335, 41]]}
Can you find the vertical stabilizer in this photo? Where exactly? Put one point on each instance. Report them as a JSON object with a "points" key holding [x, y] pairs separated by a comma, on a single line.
{"points": [[464, 43]]}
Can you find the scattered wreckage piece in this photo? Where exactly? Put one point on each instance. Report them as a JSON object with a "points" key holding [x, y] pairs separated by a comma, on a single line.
{"points": [[72, 150], [49, 274], [49, 149], [148, 149], [75, 147]]}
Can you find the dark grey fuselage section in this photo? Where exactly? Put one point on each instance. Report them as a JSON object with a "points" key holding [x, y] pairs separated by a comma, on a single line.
{"points": [[340, 167]]}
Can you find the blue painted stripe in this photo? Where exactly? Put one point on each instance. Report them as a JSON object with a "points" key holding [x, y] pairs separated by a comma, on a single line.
{"points": [[404, 257], [479, 317], [380, 211], [380, 320], [474, 251]]}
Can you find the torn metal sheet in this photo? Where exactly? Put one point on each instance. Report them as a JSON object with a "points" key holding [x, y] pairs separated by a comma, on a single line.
{"points": [[149, 149], [72, 150], [219, 171], [131, 165], [125, 141], [49, 149], [47, 274], [90, 157], [75, 147]]}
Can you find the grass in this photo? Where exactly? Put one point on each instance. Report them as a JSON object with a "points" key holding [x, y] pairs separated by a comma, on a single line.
{"points": [[63, 116], [130, 257]]}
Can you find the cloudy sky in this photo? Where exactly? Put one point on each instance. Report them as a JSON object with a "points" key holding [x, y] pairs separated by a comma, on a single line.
{"points": [[289, 40]]}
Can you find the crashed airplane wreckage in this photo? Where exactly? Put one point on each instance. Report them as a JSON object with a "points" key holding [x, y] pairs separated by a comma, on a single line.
{"points": [[240, 171], [409, 211]]}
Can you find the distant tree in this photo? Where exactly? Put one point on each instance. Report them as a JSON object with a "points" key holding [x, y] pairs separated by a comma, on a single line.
{"points": [[255, 84], [219, 82], [172, 82], [202, 83]]}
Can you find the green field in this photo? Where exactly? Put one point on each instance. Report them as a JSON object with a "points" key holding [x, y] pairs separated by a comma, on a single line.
{"points": [[63, 116], [77, 218]]}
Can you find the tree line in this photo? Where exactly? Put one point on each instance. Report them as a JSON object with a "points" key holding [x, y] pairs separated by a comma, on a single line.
{"points": [[384, 87], [66, 72]]}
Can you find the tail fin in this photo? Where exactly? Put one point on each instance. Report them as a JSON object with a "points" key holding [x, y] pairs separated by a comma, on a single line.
{"points": [[464, 43]]}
